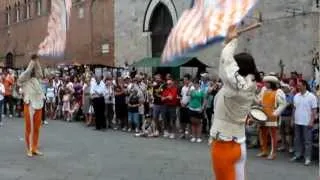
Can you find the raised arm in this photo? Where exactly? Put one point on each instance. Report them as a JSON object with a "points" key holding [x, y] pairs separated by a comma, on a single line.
{"points": [[26, 75], [38, 70], [229, 68]]}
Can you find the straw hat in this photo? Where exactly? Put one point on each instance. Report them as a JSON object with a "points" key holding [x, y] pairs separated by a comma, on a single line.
{"points": [[205, 74], [284, 85], [271, 78]]}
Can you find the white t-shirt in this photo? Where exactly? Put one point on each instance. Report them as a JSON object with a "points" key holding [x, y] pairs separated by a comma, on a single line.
{"points": [[2, 90], [304, 104], [50, 92], [109, 95], [184, 94]]}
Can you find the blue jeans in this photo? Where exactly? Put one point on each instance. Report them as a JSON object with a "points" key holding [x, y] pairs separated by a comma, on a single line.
{"points": [[303, 141], [133, 117]]}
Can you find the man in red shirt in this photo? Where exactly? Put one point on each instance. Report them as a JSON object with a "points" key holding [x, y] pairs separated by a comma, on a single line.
{"points": [[170, 101], [8, 82]]}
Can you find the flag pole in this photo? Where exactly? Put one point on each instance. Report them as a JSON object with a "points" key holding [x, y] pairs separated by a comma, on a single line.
{"points": [[249, 28]]}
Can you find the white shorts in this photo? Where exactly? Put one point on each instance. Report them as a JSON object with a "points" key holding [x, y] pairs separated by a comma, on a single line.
{"points": [[51, 100]]}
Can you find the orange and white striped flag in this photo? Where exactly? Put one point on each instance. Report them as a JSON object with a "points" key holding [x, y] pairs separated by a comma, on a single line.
{"points": [[206, 23]]}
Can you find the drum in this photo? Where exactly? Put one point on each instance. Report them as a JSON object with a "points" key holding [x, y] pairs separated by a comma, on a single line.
{"points": [[256, 113]]}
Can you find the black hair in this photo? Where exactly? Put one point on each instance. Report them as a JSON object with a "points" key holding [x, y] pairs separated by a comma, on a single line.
{"points": [[305, 83], [196, 81], [187, 76], [247, 65], [273, 85], [34, 56]]}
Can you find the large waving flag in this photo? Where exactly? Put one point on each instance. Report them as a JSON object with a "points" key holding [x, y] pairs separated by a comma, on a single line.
{"points": [[207, 22], [54, 44]]}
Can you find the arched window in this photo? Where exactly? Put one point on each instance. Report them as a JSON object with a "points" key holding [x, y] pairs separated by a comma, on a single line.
{"points": [[9, 60], [8, 9], [15, 13], [38, 7], [49, 6], [161, 24], [18, 14], [29, 9], [25, 9]]}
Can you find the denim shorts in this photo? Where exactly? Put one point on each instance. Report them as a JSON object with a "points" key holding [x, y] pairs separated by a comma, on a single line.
{"points": [[157, 111], [133, 117]]}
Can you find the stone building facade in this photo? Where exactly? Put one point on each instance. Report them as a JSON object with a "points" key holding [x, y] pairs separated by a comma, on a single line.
{"points": [[290, 33], [112, 32], [23, 25]]}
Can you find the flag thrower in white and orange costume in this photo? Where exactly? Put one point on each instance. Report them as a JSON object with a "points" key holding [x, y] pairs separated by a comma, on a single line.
{"points": [[33, 98], [239, 75]]}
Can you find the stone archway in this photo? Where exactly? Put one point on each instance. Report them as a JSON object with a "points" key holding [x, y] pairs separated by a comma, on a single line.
{"points": [[150, 10], [9, 60], [160, 26]]}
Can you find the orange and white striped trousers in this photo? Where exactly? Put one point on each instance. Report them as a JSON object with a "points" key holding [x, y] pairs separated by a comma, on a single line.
{"points": [[228, 160], [32, 119]]}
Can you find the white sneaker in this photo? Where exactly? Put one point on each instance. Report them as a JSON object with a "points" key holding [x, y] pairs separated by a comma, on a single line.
{"points": [[172, 136], [193, 140], [294, 158], [129, 130], [199, 140], [291, 150], [166, 134], [156, 133], [10, 116], [137, 130], [46, 122], [307, 162]]}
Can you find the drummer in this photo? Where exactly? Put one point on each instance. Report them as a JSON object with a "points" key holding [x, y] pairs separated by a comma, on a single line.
{"points": [[273, 102]]}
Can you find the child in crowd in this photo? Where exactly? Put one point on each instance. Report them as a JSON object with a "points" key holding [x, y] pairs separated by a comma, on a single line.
{"points": [[66, 105], [75, 107], [50, 100], [2, 90], [133, 110]]}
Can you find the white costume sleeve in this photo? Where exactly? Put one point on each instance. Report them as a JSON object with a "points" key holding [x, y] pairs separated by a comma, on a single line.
{"points": [[281, 102], [26, 75], [229, 68], [38, 70]]}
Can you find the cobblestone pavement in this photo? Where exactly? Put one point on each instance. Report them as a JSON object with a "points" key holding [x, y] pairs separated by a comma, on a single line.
{"points": [[74, 152]]}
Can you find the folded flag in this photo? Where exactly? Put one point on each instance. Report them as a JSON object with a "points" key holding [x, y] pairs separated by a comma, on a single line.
{"points": [[205, 23], [54, 44]]}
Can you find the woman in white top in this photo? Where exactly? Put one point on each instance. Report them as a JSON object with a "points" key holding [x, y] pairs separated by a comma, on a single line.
{"points": [[50, 99], [232, 104], [1, 100]]}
